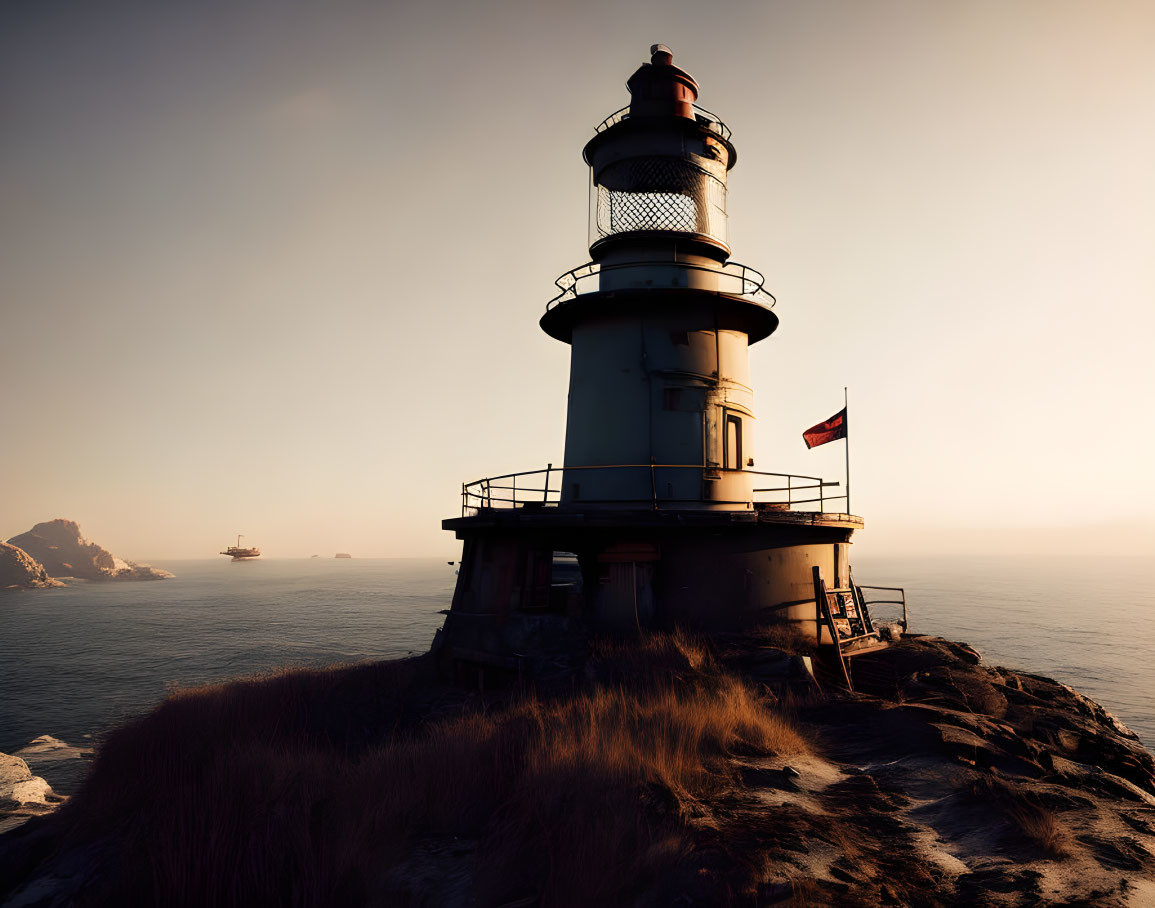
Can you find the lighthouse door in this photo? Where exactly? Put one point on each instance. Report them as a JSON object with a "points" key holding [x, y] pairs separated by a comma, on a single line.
{"points": [[732, 443]]}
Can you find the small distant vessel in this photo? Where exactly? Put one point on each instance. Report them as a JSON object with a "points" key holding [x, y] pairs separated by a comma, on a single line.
{"points": [[240, 553], [342, 555]]}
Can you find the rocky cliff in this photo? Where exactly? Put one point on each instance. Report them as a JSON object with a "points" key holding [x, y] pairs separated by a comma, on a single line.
{"points": [[674, 770], [64, 552], [20, 571]]}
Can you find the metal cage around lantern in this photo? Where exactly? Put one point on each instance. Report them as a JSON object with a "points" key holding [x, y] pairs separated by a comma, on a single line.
{"points": [[664, 194]]}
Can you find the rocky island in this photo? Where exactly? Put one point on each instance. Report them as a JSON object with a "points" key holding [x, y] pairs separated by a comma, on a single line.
{"points": [[56, 549], [20, 571], [667, 770]]}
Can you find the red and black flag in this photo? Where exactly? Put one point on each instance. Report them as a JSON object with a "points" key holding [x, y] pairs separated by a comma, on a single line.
{"points": [[831, 430]]}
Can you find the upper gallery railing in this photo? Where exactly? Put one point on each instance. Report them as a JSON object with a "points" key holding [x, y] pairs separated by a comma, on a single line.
{"points": [[732, 277], [711, 121]]}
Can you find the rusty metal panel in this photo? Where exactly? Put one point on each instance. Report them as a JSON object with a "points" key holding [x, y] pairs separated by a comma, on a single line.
{"points": [[629, 552]]}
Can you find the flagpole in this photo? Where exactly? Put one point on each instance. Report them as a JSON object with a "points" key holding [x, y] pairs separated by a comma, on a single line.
{"points": [[846, 438]]}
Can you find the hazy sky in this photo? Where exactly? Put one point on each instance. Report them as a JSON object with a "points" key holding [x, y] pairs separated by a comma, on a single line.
{"points": [[276, 268]]}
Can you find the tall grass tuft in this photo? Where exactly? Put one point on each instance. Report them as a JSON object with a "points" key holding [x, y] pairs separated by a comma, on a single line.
{"points": [[328, 787], [1034, 825]]}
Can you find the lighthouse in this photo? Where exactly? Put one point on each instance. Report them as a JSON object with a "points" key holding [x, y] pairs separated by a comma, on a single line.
{"points": [[659, 512], [660, 321]]}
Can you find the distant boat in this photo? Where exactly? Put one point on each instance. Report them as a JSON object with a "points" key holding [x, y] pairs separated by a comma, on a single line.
{"points": [[342, 555], [239, 553]]}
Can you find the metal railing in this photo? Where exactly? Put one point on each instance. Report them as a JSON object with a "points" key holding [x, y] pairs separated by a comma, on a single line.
{"points": [[747, 281], [542, 488], [710, 120], [870, 603]]}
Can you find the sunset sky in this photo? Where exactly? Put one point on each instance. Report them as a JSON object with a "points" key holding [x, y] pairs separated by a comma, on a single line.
{"points": [[276, 268]]}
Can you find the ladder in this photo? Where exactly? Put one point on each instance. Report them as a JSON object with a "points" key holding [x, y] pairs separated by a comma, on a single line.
{"points": [[845, 617]]}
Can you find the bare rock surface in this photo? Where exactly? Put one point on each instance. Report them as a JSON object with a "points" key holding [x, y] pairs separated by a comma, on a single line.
{"points": [[64, 552], [20, 571], [22, 795], [966, 784], [63, 763]]}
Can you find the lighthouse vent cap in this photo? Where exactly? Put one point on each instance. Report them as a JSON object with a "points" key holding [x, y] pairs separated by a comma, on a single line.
{"points": [[661, 89]]}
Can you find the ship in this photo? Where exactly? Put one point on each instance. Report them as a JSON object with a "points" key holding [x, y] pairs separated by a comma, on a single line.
{"points": [[342, 555], [240, 553]]}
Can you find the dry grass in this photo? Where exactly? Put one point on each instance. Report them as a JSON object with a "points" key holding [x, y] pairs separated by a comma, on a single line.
{"points": [[654, 661], [320, 788], [1034, 824], [667, 736], [787, 636], [1040, 827], [805, 893]]}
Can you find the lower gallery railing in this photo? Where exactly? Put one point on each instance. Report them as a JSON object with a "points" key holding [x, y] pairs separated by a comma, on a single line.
{"points": [[872, 596], [542, 488]]}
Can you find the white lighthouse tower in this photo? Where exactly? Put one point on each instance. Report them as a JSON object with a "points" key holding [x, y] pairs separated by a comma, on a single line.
{"points": [[660, 321], [659, 514]]}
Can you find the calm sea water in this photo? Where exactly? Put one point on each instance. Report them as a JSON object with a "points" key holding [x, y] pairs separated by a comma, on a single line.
{"points": [[76, 661]]}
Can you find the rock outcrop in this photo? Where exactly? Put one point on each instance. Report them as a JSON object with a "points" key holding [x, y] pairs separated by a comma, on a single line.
{"points": [[64, 764], [967, 784], [59, 547], [22, 795], [20, 571]]}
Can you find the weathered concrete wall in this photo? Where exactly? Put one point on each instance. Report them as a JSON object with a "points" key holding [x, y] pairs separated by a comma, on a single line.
{"points": [[664, 388]]}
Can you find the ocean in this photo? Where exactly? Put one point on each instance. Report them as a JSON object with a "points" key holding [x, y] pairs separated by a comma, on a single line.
{"points": [[77, 661]]}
